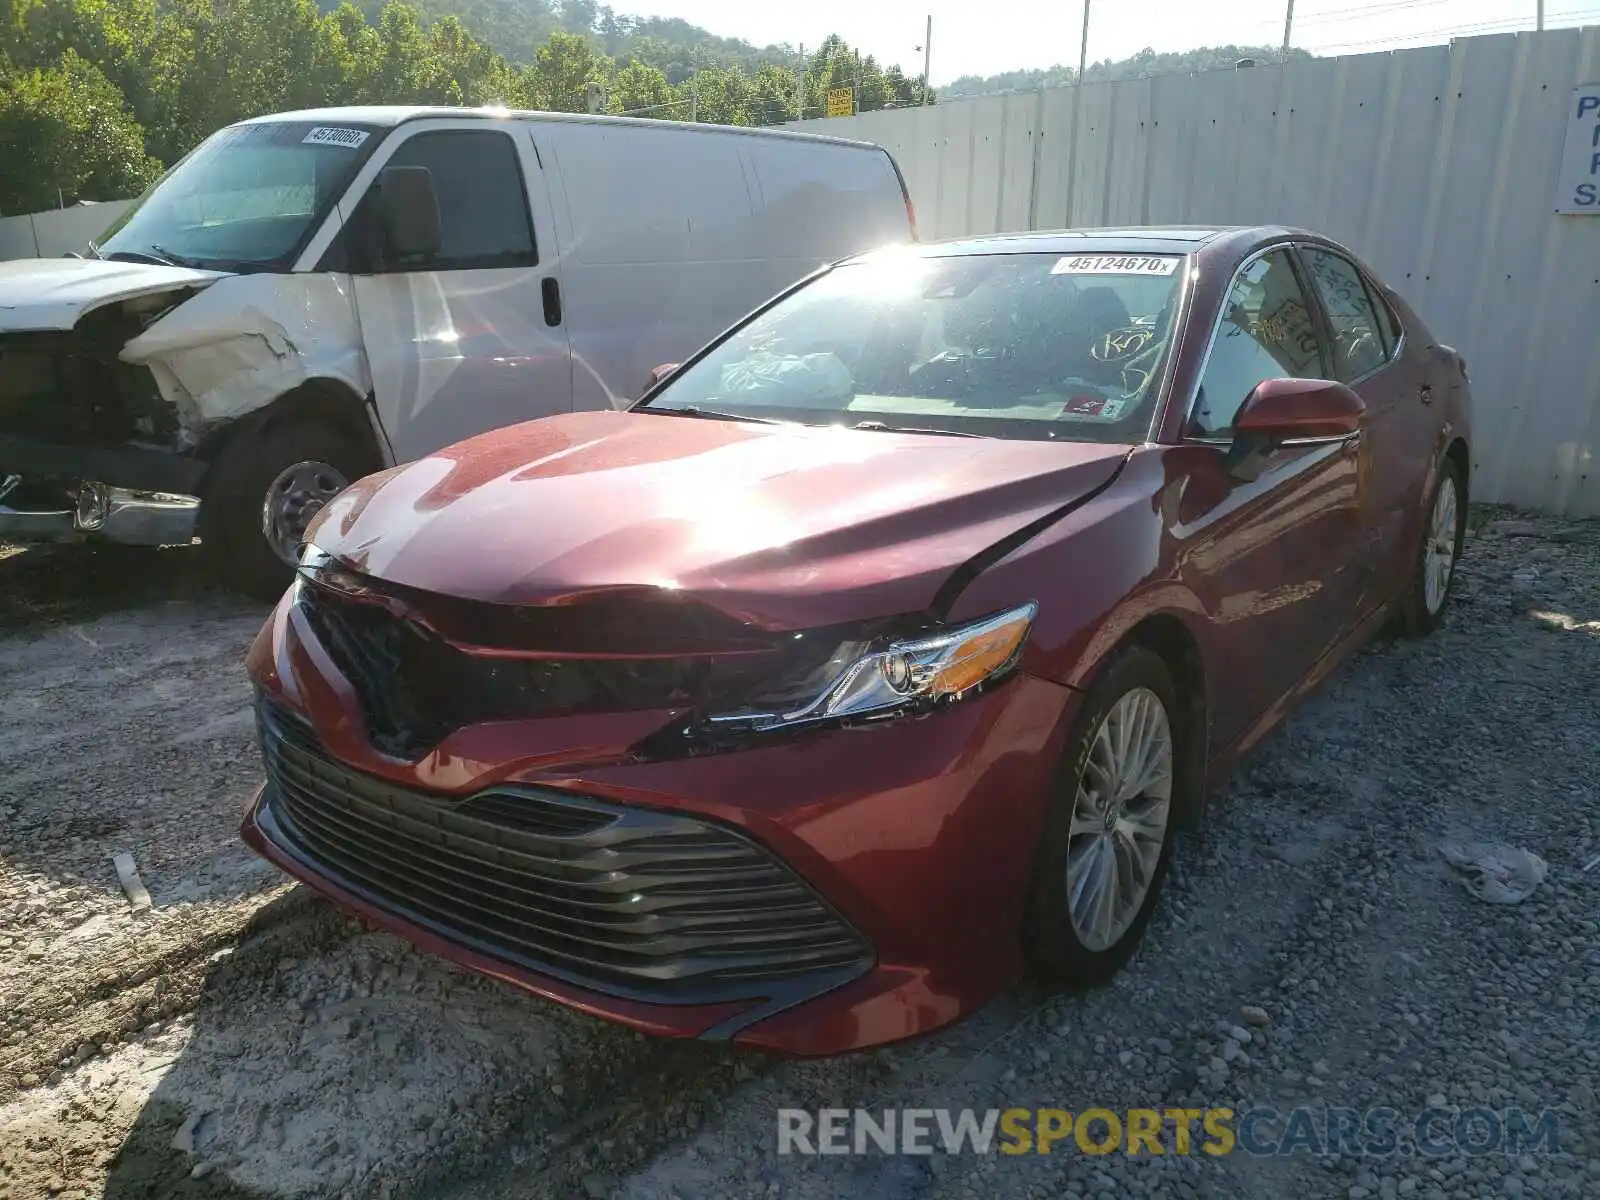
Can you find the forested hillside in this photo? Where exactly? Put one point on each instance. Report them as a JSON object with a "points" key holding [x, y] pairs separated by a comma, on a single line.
{"points": [[98, 96], [1146, 62], [516, 29]]}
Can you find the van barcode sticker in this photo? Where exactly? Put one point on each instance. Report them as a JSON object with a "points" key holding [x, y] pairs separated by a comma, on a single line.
{"points": [[326, 135], [1116, 264]]}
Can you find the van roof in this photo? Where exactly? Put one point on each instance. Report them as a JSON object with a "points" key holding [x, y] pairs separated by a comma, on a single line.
{"points": [[389, 115]]}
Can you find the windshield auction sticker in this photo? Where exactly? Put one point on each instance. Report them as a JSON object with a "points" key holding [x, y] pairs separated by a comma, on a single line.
{"points": [[1116, 264], [325, 135]]}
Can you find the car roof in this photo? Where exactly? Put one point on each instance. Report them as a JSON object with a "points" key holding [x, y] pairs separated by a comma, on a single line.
{"points": [[389, 115], [1118, 239]]}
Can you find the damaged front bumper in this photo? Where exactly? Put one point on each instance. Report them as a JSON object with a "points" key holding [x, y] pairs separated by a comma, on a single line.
{"points": [[92, 509], [89, 447]]}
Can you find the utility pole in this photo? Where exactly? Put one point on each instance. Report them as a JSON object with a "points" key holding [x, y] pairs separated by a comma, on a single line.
{"points": [[800, 86], [1083, 46], [927, 60], [1541, 16], [694, 85], [1288, 24], [1077, 113]]}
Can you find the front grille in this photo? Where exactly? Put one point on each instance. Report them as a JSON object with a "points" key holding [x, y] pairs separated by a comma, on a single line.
{"points": [[416, 688], [646, 905], [70, 387]]}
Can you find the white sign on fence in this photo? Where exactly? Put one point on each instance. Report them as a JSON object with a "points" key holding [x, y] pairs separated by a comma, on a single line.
{"points": [[1578, 190]]}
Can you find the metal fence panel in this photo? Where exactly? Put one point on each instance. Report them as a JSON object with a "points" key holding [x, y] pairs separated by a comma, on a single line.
{"points": [[1438, 165], [52, 234]]}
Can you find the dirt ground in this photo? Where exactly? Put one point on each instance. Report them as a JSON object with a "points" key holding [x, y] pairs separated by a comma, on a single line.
{"points": [[242, 1039]]}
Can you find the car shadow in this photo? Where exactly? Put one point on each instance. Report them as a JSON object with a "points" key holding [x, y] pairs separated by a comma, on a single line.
{"points": [[52, 583], [326, 1057]]}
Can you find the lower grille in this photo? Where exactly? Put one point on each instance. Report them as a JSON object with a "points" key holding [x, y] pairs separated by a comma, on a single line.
{"points": [[630, 902]]}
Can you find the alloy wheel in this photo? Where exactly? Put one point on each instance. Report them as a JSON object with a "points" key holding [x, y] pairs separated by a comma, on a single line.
{"points": [[1119, 819], [1439, 554]]}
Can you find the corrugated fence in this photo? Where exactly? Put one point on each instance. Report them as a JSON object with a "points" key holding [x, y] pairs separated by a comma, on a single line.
{"points": [[1439, 165], [52, 234]]}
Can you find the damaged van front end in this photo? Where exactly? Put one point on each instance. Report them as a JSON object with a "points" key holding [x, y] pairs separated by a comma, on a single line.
{"points": [[89, 443], [134, 378], [116, 380]]}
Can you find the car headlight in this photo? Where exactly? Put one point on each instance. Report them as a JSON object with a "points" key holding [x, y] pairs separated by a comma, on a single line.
{"points": [[901, 676], [318, 566]]}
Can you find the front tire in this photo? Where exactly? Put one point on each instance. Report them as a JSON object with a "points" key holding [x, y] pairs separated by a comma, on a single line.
{"points": [[262, 491], [1433, 569], [1107, 842]]}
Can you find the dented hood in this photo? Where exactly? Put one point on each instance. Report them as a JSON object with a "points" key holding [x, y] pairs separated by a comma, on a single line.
{"points": [[52, 293], [785, 527]]}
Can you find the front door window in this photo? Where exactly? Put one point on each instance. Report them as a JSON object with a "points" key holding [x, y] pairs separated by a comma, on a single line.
{"points": [[1266, 332]]}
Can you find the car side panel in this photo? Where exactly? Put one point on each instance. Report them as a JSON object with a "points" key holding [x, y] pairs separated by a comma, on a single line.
{"points": [[1389, 478], [1253, 571], [1446, 417]]}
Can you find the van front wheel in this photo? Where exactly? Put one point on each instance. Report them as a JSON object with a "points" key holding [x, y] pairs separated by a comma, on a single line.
{"points": [[263, 491]]}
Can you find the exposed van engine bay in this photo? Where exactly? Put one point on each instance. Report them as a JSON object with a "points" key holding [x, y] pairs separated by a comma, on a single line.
{"points": [[116, 378]]}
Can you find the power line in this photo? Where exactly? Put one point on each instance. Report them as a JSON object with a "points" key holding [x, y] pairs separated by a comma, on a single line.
{"points": [[1366, 11], [1359, 13], [1507, 25]]}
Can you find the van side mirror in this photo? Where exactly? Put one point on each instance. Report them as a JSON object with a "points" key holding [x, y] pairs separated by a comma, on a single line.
{"points": [[1277, 410], [408, 209]]}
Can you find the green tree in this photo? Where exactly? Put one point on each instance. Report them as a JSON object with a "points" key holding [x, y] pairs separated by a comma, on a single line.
{"points": [[773, 97], [563, 70], [222, 60], [637, 87], [718, 95], [66, 135], [579, 16], [118, 38]]}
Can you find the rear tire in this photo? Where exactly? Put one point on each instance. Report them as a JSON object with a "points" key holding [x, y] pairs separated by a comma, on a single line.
{"points": [[271, 481], [1104, 815], [1433, 567]]}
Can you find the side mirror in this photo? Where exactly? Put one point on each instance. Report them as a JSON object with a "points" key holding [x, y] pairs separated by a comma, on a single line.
{"points": [[1279, 409], [409, 210], [657, 374]]}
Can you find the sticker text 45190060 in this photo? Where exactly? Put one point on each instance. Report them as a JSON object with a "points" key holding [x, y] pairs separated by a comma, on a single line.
{"points": [[327, 135], [1116, 264]]}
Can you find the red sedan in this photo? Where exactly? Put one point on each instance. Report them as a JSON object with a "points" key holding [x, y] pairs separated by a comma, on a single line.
{"points": [[876, 655]]}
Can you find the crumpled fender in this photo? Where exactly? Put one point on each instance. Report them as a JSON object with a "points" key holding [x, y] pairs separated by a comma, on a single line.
{"points": [[248, 339]]}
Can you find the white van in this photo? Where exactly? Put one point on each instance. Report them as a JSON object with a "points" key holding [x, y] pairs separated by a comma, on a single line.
{"points": [[312, 296]]}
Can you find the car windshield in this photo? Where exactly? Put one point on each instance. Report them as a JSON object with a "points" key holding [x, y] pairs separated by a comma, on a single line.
{"points": [[1026, 346], [247, 198]]}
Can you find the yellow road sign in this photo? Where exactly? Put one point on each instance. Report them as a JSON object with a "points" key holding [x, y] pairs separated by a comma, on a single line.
{"points": [[841, 102]]}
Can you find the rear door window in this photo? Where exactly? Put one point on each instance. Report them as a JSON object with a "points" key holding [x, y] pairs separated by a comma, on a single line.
{"points": [[1359, 342]]}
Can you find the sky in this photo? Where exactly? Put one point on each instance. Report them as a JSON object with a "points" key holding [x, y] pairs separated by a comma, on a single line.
{"points": [[985, 37]]}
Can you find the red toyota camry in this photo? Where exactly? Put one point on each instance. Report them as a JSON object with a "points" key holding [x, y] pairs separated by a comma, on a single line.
{"points": [[876, 655]]}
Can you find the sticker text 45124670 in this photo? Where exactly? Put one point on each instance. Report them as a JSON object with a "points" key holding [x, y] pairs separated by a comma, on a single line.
{"points": [[1116, 264]]}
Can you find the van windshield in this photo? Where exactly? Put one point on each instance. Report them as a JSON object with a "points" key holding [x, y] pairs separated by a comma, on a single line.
{"points": [[1026, 346], [248, 198]]}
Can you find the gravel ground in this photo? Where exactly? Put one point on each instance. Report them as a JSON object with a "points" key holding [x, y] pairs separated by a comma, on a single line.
{"points": [[242, 1039]]}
